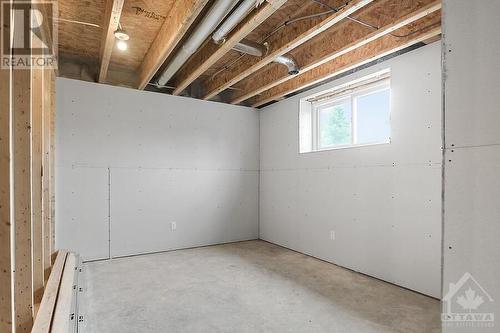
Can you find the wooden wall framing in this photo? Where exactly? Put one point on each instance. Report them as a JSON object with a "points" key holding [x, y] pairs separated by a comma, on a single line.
{"points": [[26, 192]]}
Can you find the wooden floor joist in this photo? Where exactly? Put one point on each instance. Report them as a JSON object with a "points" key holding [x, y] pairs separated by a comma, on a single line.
{"points": [[210, 53], [362, 55], [111, 22], [290, 37], [181, 17], [325, 52]]}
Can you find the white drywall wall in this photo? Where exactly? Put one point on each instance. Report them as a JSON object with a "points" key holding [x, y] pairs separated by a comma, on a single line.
{"points": [[472, 156], [142, 160], [383, 202]]}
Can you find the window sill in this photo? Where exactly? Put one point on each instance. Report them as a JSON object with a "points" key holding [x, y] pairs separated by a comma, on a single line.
{"points": [[346, 147]]}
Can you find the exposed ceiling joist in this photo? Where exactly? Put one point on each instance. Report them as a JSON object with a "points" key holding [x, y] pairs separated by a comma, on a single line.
{"points": [[111, 20], [365, 54], [180, 18], [289, 38], [210, 53], [274, 76]]}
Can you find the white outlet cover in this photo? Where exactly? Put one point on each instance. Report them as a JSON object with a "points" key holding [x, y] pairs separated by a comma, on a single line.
{"points": [[173, 226], [332, 235]]}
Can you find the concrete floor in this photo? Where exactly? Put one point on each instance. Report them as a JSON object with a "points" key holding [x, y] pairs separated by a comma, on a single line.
{"points": [[245, 287]]}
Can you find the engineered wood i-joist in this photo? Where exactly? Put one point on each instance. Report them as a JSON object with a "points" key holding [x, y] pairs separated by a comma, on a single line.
{"points": [[365, 54], [288, 38], [112, 19], [327, 48], [210, 53], [181, 16]]}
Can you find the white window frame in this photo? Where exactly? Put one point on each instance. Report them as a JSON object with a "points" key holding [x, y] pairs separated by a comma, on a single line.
{"points": [[338, 99]]}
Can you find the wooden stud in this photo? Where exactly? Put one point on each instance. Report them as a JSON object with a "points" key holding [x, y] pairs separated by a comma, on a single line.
{"points": [[324, 52], [5, 203], [36, 184], [180, 18], [365, 54], [211, 53], [111, 21], [46, 137], [288, 38], [52, 164], [21, 142]]}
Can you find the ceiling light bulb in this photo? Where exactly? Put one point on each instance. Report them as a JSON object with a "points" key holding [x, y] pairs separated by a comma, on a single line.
{"points": [[122, 45]]}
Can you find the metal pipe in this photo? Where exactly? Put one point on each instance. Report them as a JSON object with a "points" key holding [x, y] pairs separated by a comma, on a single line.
{"points": [[239, 13], [251, 48], [258, 50], [210, 21]]}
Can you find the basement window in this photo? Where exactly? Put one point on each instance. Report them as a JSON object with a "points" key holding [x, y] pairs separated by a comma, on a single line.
{"points": [[351, 115]]}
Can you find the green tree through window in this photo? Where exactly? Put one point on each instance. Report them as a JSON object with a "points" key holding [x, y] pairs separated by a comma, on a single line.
{"points": [[336, 126]]}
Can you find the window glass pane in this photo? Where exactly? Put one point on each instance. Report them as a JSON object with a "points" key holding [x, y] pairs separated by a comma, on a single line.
{"points": [[335, 125], [373, 117]]}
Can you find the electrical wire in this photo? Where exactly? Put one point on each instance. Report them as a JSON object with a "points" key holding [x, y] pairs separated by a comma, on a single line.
{"points": [[330, 10]]}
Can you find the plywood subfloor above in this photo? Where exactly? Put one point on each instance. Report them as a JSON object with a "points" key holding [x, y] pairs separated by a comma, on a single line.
{"points": [[217, 72]]}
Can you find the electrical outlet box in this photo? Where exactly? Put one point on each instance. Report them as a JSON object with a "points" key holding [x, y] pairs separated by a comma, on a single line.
{"points": [[173, 226]]}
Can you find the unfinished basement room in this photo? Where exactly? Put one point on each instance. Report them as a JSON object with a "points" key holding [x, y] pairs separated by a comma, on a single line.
{"points": [[185, 166]]}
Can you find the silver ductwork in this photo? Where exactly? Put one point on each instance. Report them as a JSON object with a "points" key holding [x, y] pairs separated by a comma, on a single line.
{"points": [[293, 69], [258, 50], [251, 48], [210, 21], [239, 13]]}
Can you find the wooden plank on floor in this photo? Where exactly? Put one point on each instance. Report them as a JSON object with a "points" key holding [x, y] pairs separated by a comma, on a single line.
{"points": [[62, 312], [45, 315]]}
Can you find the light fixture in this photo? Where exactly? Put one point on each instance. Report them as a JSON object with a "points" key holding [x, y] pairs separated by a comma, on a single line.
{"points": [[122, 45], [122, 37]]}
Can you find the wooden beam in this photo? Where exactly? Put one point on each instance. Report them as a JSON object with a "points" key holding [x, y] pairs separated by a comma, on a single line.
{"points": [[5, 202], [326, 49], [210, 53], [111, 20], [179, 19], [365, 54], [290, 37]]}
